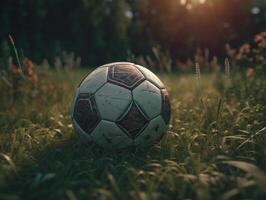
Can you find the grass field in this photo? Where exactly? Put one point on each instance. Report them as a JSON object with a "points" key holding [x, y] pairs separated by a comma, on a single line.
{"points": [[215, 147]]}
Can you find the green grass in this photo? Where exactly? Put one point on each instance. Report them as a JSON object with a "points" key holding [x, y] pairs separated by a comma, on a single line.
{"points": [[215, 147]]}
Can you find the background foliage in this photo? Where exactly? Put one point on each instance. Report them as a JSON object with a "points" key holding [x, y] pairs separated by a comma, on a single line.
{"points": [[102, 31]]}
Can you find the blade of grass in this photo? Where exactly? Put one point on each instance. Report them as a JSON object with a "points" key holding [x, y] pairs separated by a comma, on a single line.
{"points": [[9, 161], [254, 171], [16, 55]]}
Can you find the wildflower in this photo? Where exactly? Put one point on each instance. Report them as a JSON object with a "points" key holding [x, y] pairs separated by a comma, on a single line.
{"points": [[15, 70], [245, 48], [27, 63], [29, 72], [260, 39], [230, 51], [33, 78], [250, 72], [238, 56], [262, 44]]}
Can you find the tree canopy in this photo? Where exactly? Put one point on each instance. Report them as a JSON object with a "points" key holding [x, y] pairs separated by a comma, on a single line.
{"points": [[102, 31]]}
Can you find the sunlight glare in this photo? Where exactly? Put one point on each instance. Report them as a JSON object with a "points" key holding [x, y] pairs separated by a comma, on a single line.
{"points": [[189, 6], [183, 2], [202, 1]]}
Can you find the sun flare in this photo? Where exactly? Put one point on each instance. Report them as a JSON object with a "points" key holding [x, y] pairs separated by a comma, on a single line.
{"points": [[184, 2]]}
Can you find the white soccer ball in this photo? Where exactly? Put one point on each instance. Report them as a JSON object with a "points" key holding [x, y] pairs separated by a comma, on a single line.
{"points": [[120, 105]]}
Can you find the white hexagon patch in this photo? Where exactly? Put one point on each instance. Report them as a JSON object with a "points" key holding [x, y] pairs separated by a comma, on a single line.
{"points": [[112, 100], [107, 134], [148, 97], [152, 133], [94, 81]]}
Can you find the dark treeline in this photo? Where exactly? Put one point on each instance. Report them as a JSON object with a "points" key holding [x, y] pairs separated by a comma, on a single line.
{"points": [[102, 31]]}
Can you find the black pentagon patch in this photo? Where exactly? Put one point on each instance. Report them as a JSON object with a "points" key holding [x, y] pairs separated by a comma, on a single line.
{"points": [[125, 75], [86, 114], [166, 107], [133, 122]]}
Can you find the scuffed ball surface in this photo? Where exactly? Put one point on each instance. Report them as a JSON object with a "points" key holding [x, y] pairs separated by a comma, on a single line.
{"points": [[120, 105]]}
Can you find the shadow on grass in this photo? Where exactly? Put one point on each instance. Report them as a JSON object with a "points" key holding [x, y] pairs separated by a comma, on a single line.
{"points": [[70, 166]]}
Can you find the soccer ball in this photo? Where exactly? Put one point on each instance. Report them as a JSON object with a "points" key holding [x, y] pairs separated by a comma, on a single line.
{"points": [[120, 105]]}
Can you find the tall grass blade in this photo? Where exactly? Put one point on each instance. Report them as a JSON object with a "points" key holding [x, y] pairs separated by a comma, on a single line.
{"points": [[219, 109], [9, 161], [251, 137], [114, 185], [227, 67], [254, 171], [16, 55], [197, 68]]}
